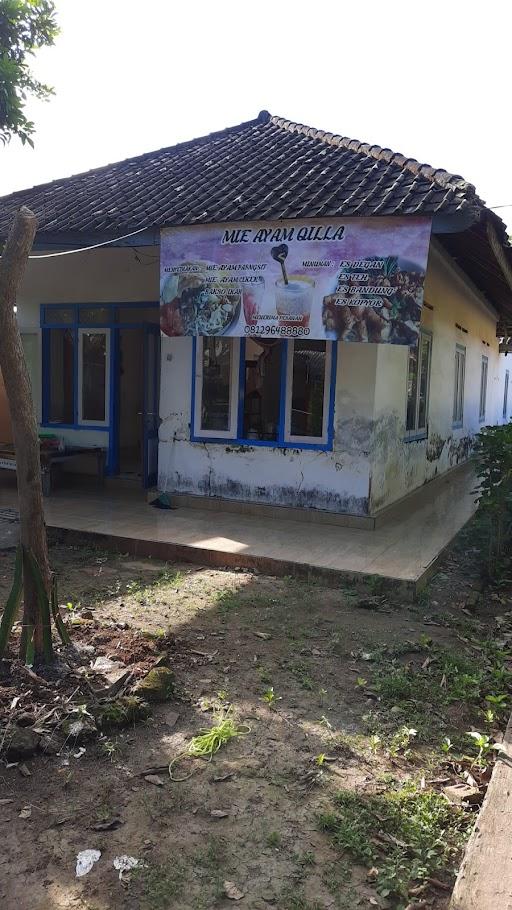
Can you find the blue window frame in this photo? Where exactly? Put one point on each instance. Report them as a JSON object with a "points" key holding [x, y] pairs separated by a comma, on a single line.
{"points": [[75, 320], [230, 422]]}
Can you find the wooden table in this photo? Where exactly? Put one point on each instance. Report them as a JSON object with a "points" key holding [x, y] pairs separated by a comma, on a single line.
{"points": [[50, 458]]}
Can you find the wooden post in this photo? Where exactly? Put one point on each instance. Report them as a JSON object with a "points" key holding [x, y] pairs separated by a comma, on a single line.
{"points": [[24, 425]]}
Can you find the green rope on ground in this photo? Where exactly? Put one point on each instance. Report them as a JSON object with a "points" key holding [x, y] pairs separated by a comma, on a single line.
{"points": [[209, 741]]}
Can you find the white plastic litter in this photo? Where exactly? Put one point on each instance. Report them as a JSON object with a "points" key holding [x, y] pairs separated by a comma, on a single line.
{"points": [[125, 864], [85, 861]]}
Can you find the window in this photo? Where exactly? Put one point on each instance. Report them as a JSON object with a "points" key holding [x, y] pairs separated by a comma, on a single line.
{"points": [[62, 367], [268, 392], [307, 404], [76, 346], [458, 393], [93, 364], [418, 386], [483, 387], [215, 392], [261, 391], [505, 395]]}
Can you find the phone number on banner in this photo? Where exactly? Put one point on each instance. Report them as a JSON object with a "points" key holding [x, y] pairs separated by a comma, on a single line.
{"points": [[286, 331]]}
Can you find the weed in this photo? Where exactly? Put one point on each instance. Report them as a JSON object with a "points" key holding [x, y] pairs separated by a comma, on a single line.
{"points": [[420, 834], [446, 745], [375, 585], [305, 859], [109, 749], [301, 673], [401, 741], [374, 742], [485, 746], [264, 674], [498, 702], [270, 697], [274, 839]]}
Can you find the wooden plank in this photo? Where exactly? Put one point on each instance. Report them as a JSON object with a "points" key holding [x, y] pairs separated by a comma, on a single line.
{"points": [[485, 878]]}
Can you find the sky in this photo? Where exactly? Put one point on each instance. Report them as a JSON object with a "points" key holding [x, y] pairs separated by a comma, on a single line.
{"points": [[430, 80]]}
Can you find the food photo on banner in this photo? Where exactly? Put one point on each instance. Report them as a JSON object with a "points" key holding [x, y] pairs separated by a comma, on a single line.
{"points": [[360, 279]]}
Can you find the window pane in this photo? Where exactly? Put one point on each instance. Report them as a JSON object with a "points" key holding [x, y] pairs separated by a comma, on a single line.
{"points": [[483, 388], [95, 314], [94, 375], [215, 404], [262, 389], [460, 369], [55, 315], [308, 384], [412, 387], [138, 314], [424, 382], [62, 369]]}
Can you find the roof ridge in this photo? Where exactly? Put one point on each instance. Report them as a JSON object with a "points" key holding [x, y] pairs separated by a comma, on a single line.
{"points": [[263, 117], [444, 178]]}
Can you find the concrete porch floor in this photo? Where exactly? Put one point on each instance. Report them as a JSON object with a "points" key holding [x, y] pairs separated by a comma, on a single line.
{"points": [[404, 547]]}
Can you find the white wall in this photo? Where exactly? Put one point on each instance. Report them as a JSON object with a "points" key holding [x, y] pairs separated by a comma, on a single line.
{"points": [[335, 481], [398, 466]]}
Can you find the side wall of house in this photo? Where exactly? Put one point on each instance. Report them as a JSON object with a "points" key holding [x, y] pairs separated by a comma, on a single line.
{"points": [[397, 467], [336, 481]]}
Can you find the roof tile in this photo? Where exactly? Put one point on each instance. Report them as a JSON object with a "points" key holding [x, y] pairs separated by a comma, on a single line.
{"points": [[265, 168]]}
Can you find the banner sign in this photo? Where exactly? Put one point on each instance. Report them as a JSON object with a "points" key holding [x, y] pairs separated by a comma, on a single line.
{"points": [[360, 279]]}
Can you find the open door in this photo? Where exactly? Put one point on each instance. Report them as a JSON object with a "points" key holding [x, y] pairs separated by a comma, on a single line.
{"points": [[151, 404]]}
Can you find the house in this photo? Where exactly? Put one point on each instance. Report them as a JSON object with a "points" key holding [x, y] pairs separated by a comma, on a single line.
{"points": [[331, 316]]}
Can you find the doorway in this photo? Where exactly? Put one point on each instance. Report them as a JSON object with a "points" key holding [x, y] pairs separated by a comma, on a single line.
{"points": [[131, 399]]}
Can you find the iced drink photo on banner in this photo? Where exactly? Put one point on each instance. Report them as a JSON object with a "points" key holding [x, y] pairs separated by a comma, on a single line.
{"points": [[294, 300], [294, 294]]}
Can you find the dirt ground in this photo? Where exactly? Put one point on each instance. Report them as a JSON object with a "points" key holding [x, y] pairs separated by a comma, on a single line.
{"points": [[291, 658]]}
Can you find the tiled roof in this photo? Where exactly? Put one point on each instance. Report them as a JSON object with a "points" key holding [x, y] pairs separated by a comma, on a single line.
{"points": [[266, 168]]}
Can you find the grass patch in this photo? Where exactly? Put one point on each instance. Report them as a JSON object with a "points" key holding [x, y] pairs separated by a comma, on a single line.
{"points": [[293, 898], [301, 672], [228, 601], [143, 588], [159, 884], [407, 834], [420, 696]]}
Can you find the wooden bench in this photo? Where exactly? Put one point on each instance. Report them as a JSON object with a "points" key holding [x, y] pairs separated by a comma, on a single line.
{"points": [[51, 458]]}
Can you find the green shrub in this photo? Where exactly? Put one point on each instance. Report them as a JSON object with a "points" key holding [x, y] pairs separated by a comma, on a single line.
{"points": [[493, 451]]}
